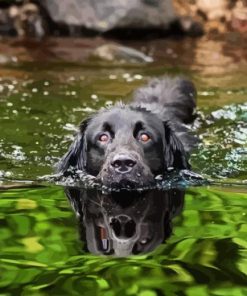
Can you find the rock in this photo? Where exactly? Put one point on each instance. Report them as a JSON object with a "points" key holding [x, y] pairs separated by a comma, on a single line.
{"points": [[213, 9], [239, 17], [114, 52], [190, 27], [27, 20], [5, 59], [187, 21], [105, 15], [6, 23]]}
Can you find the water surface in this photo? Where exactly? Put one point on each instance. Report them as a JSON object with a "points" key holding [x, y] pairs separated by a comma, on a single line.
{"points": [[45, 91]]}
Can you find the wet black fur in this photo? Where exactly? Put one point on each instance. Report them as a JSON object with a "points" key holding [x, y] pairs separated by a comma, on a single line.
{"points": [[162, 108]]}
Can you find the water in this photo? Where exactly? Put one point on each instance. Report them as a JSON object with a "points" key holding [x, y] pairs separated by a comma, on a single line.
{"points": [[44, 93], [42, 253]]}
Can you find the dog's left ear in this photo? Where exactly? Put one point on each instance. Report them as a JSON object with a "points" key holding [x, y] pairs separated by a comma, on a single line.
{"points": [[76, 155], [175, 155]]}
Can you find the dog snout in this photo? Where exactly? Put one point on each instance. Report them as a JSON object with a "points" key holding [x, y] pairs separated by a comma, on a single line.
{"points": [[123, 163]]}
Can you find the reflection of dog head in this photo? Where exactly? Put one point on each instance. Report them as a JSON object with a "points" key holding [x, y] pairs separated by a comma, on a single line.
{"points": [[132, 144], [125, 223]]}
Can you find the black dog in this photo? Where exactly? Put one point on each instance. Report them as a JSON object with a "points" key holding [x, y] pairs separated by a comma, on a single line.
{"points": [[128, 145], [125, 223]]}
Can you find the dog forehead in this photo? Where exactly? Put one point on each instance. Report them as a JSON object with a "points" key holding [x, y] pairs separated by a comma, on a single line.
{"points": [[125, 120], [116, 118]]}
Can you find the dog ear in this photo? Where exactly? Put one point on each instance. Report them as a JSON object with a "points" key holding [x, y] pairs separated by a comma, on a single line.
{"points": [[175, 155], [76, 155]]}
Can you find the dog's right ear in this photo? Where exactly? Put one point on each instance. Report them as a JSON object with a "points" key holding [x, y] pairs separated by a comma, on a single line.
{"points": [[76, 156]]}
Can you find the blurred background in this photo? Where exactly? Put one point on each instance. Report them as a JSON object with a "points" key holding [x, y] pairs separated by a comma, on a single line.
{"points": [[119, 20], [40, 18]]}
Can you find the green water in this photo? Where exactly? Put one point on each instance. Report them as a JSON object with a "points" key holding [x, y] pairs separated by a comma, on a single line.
{"points": [[41, 253], [43, 97]]}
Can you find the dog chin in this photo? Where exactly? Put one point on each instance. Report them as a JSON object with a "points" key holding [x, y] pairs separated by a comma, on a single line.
{"points": [[126, 181]]}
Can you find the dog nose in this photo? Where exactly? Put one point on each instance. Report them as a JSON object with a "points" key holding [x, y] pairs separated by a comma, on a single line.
{"points": [[123, 163], [123, 226]]}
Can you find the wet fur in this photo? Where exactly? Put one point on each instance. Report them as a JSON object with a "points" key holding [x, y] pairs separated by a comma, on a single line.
{"points": [[163, 107]]}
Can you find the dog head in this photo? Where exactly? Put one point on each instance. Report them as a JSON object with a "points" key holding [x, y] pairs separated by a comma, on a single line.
{"points": [[125, 146]]}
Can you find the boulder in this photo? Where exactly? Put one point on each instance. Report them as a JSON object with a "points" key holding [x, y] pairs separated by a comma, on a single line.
{"points": [[105, 15]]}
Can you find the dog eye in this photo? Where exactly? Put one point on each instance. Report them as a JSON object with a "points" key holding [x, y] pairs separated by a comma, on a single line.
{"points": [[104, 138], [144, 137]]}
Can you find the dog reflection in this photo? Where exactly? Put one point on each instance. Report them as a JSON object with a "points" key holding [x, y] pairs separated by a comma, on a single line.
{"points": [[125, 223]]}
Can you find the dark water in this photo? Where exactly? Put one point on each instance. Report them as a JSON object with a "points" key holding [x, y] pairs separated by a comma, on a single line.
{"points": [[200, 249]]}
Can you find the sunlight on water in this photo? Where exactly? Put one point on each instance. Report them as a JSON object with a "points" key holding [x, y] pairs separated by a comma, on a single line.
{"points": [[46, 127], [223, 151], [80, 179], [44, 247]]}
